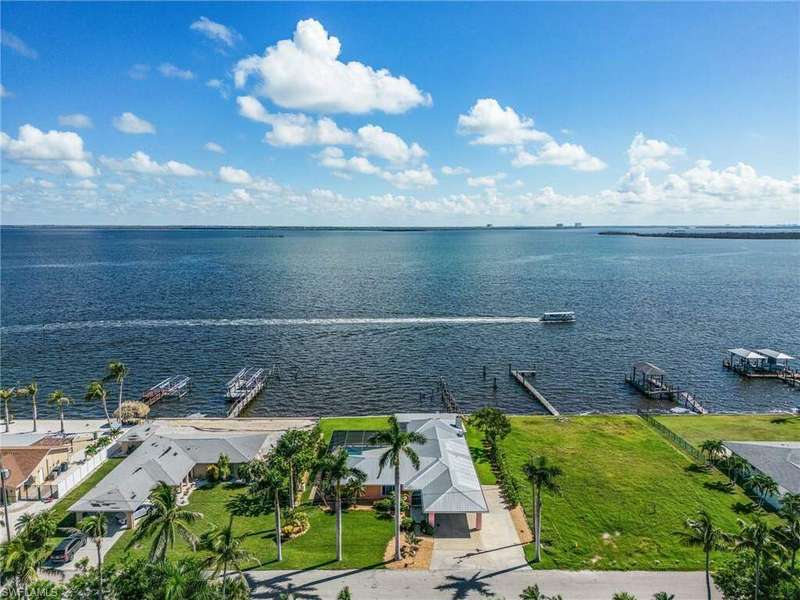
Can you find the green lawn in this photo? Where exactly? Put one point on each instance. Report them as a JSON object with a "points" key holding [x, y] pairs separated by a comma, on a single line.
{"points": [[365, 536], [479, 459], [67, 519], [624, 493], [371, 423], [695, 430]]}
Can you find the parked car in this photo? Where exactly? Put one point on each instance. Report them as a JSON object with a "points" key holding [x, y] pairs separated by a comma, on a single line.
{"points": [[137, 514], [67, 548]]}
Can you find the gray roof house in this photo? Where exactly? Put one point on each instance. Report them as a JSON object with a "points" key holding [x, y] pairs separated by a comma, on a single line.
{"points": [[446, 481], [170, 454], [779, 460]]}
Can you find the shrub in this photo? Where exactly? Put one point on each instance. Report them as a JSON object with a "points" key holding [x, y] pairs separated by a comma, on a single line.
{"points": [[425, 527], [212, 473], [385, 506], [406, 524], [505, 478], [132, 412], [223, 467], [295, 523]]}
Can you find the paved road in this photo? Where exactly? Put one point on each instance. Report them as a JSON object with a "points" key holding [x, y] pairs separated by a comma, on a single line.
{"points": [[467, 584]]}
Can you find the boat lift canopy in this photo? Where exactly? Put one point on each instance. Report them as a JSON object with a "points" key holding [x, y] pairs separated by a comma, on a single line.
{"points": [[746, 354], [774, 354]]}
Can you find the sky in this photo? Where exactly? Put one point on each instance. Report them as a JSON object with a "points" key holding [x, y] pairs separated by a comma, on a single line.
{"points": [[397, 114]]}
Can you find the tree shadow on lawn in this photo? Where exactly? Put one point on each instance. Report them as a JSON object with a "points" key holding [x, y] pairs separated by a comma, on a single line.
{"points": [[744, 508], [726, 487], [479, 455]]}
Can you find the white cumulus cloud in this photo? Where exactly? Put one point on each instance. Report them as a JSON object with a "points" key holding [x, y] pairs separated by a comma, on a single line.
{"points": [[573, 156], [240, 177], [485, 180], [305, 73], [76, 120], [650, 154], [447, 170], [141, 163], [491, 124], [54, 151], [128, 122]]}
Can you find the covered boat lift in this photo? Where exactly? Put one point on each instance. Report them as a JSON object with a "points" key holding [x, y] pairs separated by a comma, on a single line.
{"points": [[650, 381]]}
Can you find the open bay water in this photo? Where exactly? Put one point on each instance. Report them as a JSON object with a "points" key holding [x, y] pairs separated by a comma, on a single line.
{"points": [[364, 322]]}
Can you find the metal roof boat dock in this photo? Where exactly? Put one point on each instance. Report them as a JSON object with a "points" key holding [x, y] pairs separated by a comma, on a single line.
{"points": [[762, 363], [651, 381]]}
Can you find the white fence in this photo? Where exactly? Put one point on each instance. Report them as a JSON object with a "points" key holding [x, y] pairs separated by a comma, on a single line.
{"points": [[79, 474]]}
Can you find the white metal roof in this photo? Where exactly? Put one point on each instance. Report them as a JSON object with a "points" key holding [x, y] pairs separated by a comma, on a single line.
{"points": [[168, 454], [775, 354], [747, 354], [446, 478]]}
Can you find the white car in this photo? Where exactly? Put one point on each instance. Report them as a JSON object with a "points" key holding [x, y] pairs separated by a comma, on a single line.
{"points": [[137, 514]]}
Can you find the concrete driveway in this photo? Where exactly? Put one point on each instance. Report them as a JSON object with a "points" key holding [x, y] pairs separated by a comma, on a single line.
{"points": [[496, 547]]}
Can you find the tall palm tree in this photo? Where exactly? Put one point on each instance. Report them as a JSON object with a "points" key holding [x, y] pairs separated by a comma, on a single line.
{"points": [[5, 396], [756, 537], [94, 526], [226, 550], [399, 443], [61, 400], [165, 520], [790, 532], [31, 390], [541, 476], [96, 391], [702, 533], [117, 371], [291, 447], [762, 486], [713, 449], [334, 470], [21, 561], [268, 478]]}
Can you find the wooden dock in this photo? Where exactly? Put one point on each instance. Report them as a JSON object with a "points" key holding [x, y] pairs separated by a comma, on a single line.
{"points": [[649, 380], [244, 387], [522, 377], [176, 386], [449, 403]]}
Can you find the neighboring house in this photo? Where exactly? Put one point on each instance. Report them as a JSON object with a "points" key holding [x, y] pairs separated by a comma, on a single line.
{"points": [[446, 481], [173, 454], [32, 467], [779, 460]]}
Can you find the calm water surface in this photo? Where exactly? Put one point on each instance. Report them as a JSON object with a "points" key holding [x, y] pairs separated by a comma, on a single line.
{"points": [[322, 305]]}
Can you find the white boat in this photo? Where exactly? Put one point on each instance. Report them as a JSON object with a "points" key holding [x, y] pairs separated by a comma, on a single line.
{"points": [[558, 317]]}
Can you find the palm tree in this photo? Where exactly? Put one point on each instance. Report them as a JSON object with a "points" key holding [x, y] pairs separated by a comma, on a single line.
{"points": [[755, 537], [185, 579], [763, 485], [399, 443], [31, 390], [94, 526], [117, 371], [334, 470], [5, 396], [269, 478], [291, 448], [21, 561], [702, 533], [164, 521], [61, 400], [37, 527], [738, 468], [96, 391], [790, 532], [541, 476], [714, 449], [226, 550]]}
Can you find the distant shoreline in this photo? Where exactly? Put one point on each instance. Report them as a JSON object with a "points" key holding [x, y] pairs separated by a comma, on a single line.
{"points": [[718, 235]]}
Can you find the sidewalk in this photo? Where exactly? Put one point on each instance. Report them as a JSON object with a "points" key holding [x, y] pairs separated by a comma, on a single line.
{"points": [[380, 584]]}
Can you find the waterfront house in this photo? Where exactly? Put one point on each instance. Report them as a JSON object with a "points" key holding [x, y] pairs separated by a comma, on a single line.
{"points": [[177, 455], [779, 460], [446, 481]]}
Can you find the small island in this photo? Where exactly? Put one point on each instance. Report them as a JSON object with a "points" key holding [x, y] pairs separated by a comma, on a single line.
{"points": [[719, 235]]}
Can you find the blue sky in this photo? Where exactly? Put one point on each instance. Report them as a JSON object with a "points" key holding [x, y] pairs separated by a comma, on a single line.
{"points": [[441, 114]]}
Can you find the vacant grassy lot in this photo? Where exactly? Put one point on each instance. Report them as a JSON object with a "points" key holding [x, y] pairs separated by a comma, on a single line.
{"points": [[624, 493], [372, 423], [364, 541], [695, 430]]}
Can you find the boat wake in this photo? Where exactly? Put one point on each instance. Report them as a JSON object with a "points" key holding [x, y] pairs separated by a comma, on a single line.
{"points": [[153, 323]]}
